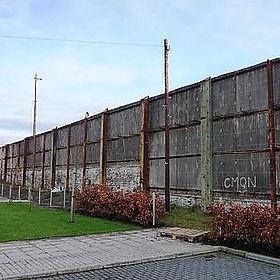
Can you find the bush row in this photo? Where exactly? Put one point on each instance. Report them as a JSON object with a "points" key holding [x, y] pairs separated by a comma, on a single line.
{"points": [[254, 224], [133, 207]]}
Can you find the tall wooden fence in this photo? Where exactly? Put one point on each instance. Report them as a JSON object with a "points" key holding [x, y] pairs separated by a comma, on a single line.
{"points": [[224, 142]]}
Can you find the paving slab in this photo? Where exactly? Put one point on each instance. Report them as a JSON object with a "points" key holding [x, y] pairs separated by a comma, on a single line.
{"points": [[46, 257], [56, 257]]}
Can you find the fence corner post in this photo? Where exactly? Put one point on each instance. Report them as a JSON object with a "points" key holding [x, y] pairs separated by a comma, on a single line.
{"points": [[206, 144], [144, 146]]}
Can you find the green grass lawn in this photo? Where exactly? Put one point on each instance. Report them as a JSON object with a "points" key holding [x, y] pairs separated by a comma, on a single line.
{"points": [[17, 222], [192, 218]]}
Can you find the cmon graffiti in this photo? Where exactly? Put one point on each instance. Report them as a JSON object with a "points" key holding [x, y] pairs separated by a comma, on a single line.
{"points": [[241, 184]]}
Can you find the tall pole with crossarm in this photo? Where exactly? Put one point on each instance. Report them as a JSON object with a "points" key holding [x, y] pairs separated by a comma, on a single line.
{"points": [[36, 79]]}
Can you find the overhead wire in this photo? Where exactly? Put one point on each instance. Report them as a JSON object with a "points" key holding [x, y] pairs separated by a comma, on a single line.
{"points": [[78, 41]]}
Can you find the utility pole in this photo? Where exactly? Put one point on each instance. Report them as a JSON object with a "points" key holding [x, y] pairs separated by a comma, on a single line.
{"points": [[36, 78], [166, 106]]}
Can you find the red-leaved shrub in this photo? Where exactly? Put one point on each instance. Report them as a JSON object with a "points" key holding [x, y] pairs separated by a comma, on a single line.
{"points": [[133, 207], [254, 224]]}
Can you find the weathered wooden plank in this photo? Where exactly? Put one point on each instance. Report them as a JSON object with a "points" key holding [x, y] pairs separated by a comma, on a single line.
{"points": [[62, 137], [248, 172], [124, 149], [124, 123], [184, 107], [184, 173], [276, 83], [77, 134], [224, 97], [246, 133], [94, 128], [183, 141], [251, 91]]}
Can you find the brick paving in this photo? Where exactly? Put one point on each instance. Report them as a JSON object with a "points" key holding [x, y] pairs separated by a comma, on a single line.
{"points": [[212, 266]]}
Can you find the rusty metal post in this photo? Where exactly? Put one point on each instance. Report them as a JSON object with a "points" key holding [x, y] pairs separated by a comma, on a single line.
{"points": [[6, 162], [12, 164], [103, 148], [43, 160], [166, 134], [271, 136], [144, 146], [23, 180], [68, 158], [18, 163], [53, 157], [85, 151], [34, 162], [1, 166]]}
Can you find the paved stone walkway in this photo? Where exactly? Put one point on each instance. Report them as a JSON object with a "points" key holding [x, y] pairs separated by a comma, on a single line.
{"points": [[46, 257], [128, 255], [211, 266]]}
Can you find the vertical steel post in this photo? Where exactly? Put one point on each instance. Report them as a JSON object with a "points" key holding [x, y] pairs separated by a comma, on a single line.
{"points": [[6, 162], [85, 151], [34, 162], [1, 167], [53, 157], [12, 166], [103, 148], [271, 136], [43, 160], [23, 179], [144, 146], [68, 158], [42, 168], [206, 144], [166, 134], [18, 164]]}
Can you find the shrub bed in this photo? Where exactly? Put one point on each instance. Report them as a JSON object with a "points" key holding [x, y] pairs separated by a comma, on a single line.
{"points": [[133, 207], [256, 225]]}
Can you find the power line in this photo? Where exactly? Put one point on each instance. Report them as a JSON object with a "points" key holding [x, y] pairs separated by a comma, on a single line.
{"points": [[79, 41]]}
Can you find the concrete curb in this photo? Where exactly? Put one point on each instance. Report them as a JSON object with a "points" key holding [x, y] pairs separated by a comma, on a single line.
{"points": [[250, 256]]}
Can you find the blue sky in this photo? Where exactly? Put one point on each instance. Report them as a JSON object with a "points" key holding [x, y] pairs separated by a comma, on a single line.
{"points": [[207, 38]]}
